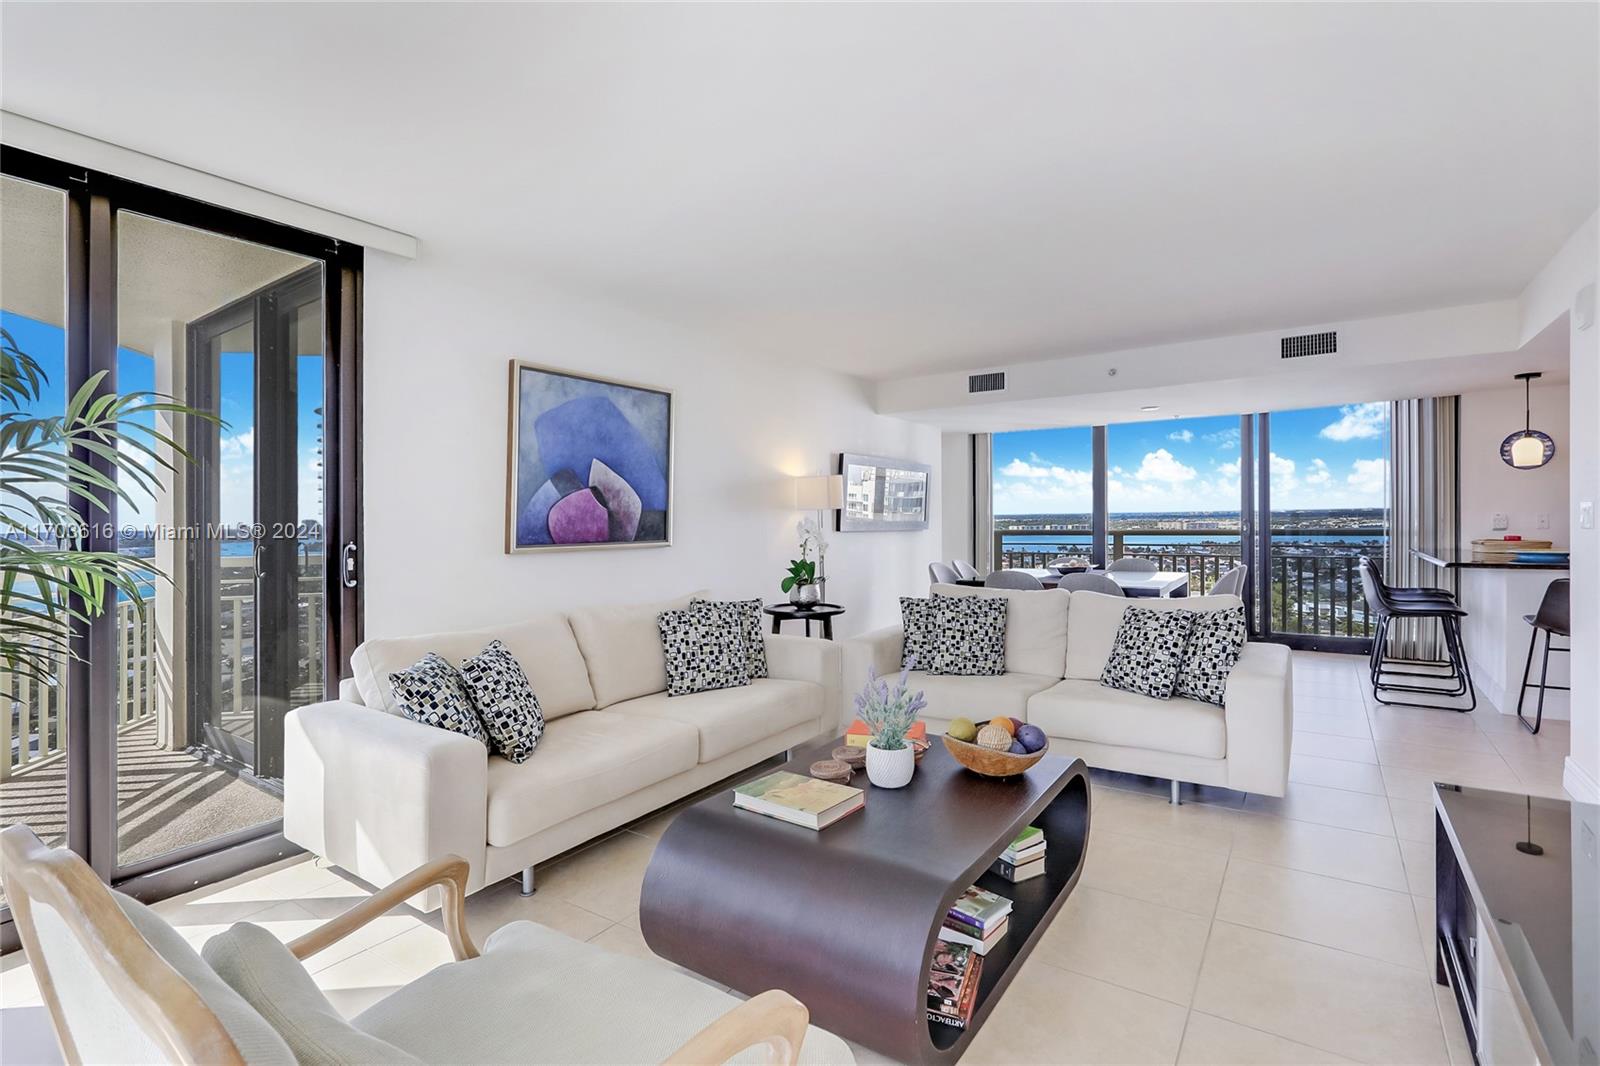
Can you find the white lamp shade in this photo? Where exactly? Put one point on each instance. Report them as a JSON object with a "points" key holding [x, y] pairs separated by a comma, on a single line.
{"points": [[1527, 451], [824, 492]]}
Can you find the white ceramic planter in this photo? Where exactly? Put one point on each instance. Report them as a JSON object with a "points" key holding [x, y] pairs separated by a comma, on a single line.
{"points": [[891, 769]]}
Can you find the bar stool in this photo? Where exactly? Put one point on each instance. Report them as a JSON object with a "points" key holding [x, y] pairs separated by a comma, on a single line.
{"points": [[1418, 603], [1553, 619]]}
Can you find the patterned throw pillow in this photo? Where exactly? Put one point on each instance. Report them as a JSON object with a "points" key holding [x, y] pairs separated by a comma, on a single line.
{"points": [[1214, 647], [1148, 651], [504, 700], [969, 635], [702, 651], [916, 621], [746, 614], [431, 692]]}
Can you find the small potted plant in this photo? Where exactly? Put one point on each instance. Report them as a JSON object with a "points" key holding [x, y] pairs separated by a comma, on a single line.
{"points": [[801, 584], [888, 713]]}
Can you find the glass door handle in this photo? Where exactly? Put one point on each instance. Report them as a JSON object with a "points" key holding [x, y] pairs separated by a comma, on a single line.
{"points": [[347, 566], [256, 562]]}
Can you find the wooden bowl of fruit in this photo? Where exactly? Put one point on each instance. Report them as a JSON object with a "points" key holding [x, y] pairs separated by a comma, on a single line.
{"points": [[1000, 747]]}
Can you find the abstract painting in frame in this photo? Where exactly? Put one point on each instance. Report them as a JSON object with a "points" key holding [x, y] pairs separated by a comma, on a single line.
{"points": [[590, 463], [883, 494]]}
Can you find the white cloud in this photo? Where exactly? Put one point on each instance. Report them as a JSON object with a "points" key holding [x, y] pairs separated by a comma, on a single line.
{"points": [[1319, 474], [1370, 477], [1184, 435], [1362, 421], [1021, 468], [1223, 438], [1160, 465]]}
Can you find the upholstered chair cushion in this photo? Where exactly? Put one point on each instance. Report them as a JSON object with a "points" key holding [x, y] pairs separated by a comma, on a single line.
{"points": [[505, 702], [259, 968], [255, 1037], [1036, 626], [622, 648]]}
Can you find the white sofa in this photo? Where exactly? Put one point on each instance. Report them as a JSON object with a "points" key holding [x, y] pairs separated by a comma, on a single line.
{"points": [[378, 794], [1057, 643]]}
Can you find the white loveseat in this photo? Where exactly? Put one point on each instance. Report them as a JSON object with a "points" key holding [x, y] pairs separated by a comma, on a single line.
{"points": [[378, 794], [1057, 643]]}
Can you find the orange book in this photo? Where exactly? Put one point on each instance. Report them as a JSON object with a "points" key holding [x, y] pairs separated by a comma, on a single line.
{"points": [[858, 735]]}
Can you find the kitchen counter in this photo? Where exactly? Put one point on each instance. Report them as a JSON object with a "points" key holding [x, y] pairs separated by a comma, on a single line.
{"points": [[1496, 595], [1464, 559]]}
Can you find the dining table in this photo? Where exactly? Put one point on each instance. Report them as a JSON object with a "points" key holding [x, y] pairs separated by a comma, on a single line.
{"points": [[1132, 582]]}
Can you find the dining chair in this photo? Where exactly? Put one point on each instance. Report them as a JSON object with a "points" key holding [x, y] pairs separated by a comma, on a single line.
{"points": [[1231, 583], [966, 570], [1091, 582], [1132, 564], [1013, 579], [942, 574]]}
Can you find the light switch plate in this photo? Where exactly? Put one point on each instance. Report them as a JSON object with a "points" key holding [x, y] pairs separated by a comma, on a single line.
{"points": [[1586, 514], [1501, 522], [1541, 521]]}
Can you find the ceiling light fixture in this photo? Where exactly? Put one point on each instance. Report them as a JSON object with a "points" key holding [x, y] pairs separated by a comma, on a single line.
{"points": [[1529, 448], [1151, 407]]}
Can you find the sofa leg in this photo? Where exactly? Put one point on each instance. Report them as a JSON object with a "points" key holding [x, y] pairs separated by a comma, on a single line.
{"points": [[527, 881], [1175, 798]]}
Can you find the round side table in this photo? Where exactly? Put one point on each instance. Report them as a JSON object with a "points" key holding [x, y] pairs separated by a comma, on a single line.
{"points": [[819, 612]]}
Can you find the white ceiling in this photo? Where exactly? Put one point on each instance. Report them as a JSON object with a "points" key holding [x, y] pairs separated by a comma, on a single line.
{"points": [[886, 189]]}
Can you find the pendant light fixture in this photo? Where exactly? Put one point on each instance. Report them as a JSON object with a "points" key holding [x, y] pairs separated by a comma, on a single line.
{"points": [[1528, 448]]}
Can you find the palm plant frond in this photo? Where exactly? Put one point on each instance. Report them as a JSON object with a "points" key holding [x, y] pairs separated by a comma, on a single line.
{"points": [[54, 471]]}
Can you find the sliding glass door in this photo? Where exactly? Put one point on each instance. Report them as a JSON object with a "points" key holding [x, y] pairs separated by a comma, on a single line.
{"points": [[160, 740]]}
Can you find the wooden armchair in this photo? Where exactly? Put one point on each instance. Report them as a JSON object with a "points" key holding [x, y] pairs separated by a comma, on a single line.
{"points": [[126, 990]]}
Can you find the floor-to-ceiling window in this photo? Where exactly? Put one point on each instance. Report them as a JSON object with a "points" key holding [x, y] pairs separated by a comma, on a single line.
{"points": [[1296, 496], [1326, 493], [1043, 492], [159, 738], [1172, 495]]}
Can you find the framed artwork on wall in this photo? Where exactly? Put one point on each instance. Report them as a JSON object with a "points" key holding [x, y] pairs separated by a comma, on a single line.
{"points": [[882, 494], [589, 462]]}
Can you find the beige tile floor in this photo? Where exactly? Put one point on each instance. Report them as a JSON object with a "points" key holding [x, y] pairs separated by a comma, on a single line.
{"points": [[1231, 929]]}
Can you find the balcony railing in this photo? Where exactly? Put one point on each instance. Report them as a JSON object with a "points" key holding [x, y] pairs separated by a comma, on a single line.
{"points": [[33, 713], [1316, 589]]}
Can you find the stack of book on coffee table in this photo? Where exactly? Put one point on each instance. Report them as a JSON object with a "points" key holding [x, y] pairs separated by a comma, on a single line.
{"points": [[1024, 858], [953, 983]]}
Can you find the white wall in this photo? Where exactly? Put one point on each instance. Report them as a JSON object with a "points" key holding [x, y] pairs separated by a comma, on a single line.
{"points": [[956, 508], [1488, 485], [1552, 294], [439, 333]]}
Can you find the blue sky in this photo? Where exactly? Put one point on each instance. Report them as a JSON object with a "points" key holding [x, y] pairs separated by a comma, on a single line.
{"points": [[136, 372], [1324, 457]]}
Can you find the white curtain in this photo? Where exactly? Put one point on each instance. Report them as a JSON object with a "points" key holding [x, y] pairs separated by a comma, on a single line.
{"points": [[1423, 510], [983, 502]]}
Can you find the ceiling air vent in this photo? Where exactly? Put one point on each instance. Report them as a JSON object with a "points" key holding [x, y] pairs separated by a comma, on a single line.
{"points": [[995, 382], [1308, 344]]}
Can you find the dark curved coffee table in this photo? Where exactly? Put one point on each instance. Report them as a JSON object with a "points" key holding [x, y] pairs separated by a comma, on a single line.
{"points": [[845, 919]]}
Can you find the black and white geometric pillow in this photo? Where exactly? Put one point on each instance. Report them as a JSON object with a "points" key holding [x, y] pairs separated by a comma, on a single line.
{"points": [[1148, 651], [917, 623], [430, 691], [504, 700], [746, 614], [1214, 647], [703, 651], [969, 635]]}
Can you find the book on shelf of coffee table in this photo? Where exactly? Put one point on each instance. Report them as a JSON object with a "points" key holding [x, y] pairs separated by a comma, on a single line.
{"points": [[953, 983], [799, 800], [1023, 860]]}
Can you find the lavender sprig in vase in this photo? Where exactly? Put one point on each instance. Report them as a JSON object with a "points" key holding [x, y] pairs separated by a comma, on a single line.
{"points": [[888, 713]]}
